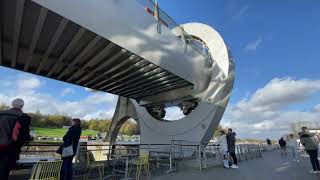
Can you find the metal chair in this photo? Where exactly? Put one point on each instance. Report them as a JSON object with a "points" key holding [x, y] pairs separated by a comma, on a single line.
{"points": [[46, 170], [91, 165]]}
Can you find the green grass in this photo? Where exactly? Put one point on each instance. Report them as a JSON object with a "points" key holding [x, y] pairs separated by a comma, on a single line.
{"points": [[58, 132]]}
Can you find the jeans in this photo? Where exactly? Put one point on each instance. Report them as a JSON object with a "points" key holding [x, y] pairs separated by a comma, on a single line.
{"points": [[234, 158], [66, 169], [294, 153], [314, 159]]}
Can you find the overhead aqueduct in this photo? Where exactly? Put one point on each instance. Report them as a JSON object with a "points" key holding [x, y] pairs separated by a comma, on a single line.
{"points": [[129, 48]]}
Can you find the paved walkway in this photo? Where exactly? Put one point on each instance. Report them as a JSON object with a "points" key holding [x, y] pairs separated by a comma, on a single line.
{"points": [[272, 166]]}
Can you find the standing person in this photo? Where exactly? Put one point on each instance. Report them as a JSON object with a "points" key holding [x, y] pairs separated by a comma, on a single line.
{"points": [[269, 144], [14, 133], [311, 144], [283, 145], [224, 148], [231, 140], [293, 146], [70, 138]]}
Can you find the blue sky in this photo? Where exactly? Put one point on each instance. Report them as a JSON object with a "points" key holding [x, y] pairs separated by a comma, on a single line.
{"points": [[268, 39], [276, 48]]}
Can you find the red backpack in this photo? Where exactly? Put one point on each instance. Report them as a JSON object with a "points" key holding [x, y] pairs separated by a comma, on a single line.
{"points": [[16, 131]]}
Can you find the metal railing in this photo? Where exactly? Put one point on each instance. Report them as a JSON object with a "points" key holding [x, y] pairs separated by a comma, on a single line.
{"points": [[210, 155], [164, 158], [242, 151], [164, 19]]}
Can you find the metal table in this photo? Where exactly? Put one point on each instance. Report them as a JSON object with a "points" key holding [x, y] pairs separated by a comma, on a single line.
{"points": [[127, 158]]}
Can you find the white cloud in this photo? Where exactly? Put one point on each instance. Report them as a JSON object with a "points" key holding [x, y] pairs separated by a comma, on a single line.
{"points": [[317, 108], [27, 88], [253, 45], [100, 115], [266, 111], [28, 83], [279, 93], [67, 91], [241, 12], [236, 9], [100, 97]]}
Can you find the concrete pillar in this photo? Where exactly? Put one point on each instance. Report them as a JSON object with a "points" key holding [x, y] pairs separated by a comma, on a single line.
{"points": [[124, 111]]}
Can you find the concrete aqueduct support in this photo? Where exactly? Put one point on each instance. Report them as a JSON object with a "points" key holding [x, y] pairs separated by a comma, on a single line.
{"points": [[124, 111]]}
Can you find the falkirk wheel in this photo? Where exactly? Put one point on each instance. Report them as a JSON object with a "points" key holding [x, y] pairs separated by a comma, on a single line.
{"points": [[203, 109], [151, 63]]}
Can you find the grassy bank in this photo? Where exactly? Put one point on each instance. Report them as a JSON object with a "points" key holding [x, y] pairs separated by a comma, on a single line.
{"points": [[58, 132]]}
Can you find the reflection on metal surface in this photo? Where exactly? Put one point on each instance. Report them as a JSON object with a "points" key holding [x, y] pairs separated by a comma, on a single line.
{"points": [[204, 113]]}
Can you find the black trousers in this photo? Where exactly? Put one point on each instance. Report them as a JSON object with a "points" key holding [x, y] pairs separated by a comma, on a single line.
{"points": [[7, 162], [66, 169], [234, 158], [4, 167], [313, 154]]}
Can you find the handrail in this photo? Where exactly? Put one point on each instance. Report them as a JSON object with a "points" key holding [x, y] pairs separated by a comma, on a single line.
{"points": [[150, 6], [85, 145]]}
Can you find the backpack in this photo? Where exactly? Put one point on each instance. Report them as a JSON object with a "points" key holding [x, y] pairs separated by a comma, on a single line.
{"points": [[9, 130]]}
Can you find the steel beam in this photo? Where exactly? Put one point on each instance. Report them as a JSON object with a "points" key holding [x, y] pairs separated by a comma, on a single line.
{"points": [[0, 38], [41, 19], [16, 31], [126, 82], [148, 79], [151, 85], [141, 64], [67, 50], [83, 53], [114, 68], [135, 74], [162, 89], [105, 63], [52, 44], [102, 54]]}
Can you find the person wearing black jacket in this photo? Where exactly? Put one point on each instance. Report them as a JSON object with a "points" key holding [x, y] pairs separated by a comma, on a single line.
{"points": [[70, 138], [231, 140], [10, 147], [283, 146]]}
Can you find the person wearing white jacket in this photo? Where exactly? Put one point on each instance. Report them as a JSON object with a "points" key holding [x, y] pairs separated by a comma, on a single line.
{"points": [[224, 148], [293, 146]]}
